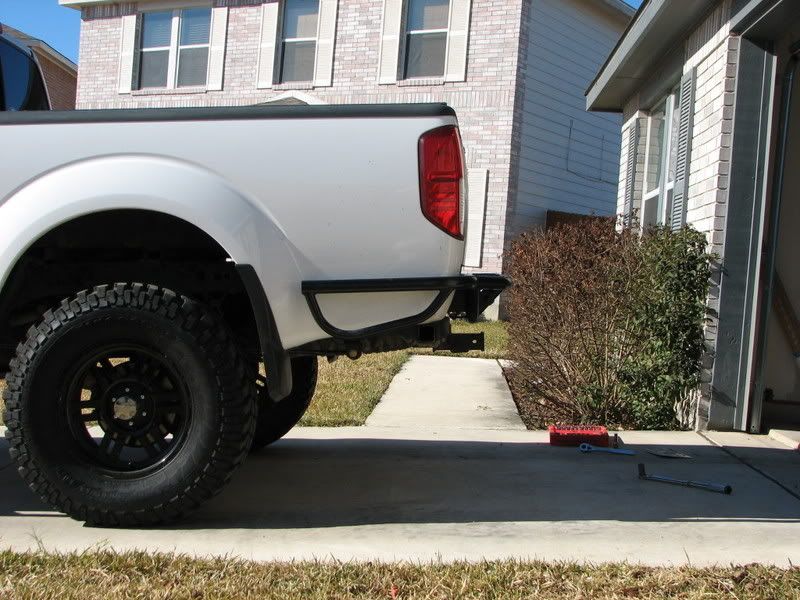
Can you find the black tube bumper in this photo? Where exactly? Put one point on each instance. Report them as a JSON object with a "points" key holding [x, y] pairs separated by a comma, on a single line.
{"points": [[473, 294], [477, 293]]}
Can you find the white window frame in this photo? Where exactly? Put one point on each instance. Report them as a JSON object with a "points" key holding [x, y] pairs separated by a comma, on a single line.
{"points": [[661, 192], [174, 49], [408, 32], [284, 40]]}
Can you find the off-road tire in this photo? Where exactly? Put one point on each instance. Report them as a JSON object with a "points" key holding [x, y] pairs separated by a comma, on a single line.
{"points": [[219, 388], [276, 419]]}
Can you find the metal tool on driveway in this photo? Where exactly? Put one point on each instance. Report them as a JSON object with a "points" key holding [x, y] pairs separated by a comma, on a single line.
{"points": [[668, 453], [720, 488], [590, 448]]}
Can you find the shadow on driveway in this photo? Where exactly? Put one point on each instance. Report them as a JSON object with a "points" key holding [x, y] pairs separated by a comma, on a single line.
{"points": [[333, 481]]}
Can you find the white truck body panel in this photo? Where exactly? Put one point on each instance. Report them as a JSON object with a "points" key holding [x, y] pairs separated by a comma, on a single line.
{"points": [[296, 198], [152, 260]]}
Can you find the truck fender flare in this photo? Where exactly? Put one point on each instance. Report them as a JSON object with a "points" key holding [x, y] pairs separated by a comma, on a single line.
{"points": [[246, 231]]}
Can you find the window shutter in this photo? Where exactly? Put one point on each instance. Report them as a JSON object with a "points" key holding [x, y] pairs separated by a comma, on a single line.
{"points": [[390, 41], [269, 39], [630, 171], [685, 126], [216, 51], [477, 182], [457, 38], [137, 54], [127, 53], [326, 38]]}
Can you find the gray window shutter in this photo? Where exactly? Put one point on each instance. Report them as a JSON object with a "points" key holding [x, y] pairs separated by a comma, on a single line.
{"points": [[390, 41], [137, 54], [128, 51], [684, 148], [326, 35], [630, 171], [216, 51], [457, 38], [269, 40]]}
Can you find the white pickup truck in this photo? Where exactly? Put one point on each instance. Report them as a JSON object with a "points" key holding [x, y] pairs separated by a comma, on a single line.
{"points": [[244, 235]]}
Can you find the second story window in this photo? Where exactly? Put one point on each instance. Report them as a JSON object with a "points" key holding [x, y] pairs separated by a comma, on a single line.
{"points": [[174, 48], [426, 38], [296, 45], [299, 32], [424, 42]]}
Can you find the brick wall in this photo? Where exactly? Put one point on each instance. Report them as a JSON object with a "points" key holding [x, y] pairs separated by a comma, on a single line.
{"points": [[713, 52], [61, 83], [484, 102]]}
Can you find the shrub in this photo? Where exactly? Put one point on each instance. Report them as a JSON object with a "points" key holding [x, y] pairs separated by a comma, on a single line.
{"points": [[606, 326]]}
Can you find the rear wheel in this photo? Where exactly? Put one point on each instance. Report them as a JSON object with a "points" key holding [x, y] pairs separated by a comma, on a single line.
{"points": [[276, 419], [128, 405]]}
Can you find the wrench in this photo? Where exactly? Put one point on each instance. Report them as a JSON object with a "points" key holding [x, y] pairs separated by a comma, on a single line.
{"points": [[590, 448], [720, 488]]}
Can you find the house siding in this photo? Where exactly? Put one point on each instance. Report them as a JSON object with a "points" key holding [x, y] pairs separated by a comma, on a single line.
{"points": [[568, 158]]}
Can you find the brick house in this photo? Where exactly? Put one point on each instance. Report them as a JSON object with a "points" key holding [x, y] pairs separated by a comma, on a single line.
{"points": [[514, 71], [60, 74], [711, 137]]}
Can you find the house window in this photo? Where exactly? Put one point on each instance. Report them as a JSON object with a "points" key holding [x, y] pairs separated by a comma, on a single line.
{"points": [[299, 48], [174, 48], [661, 154], [426, 38]]}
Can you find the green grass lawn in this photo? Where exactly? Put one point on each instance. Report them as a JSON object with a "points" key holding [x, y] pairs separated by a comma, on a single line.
{"points": [[111, 576], [348, 390]]}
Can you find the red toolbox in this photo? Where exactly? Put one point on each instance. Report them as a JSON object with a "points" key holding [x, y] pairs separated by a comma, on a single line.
{"points": [[575, 435]]}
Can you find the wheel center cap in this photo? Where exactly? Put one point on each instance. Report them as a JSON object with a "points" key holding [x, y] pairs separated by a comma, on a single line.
{"points": [[125, 408]]}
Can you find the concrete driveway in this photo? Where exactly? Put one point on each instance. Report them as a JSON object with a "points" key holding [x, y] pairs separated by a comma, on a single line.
{"points": [[432, 492], [359, 493]]}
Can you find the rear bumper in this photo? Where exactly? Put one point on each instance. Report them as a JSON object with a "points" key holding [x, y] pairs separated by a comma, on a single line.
{"points": [[472, 294]]}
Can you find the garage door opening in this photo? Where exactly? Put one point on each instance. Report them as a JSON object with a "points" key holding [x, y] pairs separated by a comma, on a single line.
{"points": [[780, 367]]}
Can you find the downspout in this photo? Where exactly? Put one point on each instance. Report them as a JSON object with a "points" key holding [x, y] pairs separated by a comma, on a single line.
{"points": [[787, 94]]}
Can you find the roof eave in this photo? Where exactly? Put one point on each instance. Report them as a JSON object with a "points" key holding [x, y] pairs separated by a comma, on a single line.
{"points": [[55, 56], [621, 7], [78, 4], [653, 32], [43, 47]]}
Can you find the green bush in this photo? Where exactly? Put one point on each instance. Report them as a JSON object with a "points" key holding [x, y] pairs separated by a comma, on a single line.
{"points": [[606, 325]]}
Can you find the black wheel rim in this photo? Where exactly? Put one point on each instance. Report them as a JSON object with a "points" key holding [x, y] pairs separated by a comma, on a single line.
{"points": [[128, 410]]}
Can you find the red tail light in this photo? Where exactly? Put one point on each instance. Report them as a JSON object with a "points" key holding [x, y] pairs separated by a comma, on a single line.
{"points": [[440, 174]]}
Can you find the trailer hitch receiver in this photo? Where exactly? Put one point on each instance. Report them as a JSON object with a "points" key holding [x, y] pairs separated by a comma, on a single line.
{"points": [[462, 342]]}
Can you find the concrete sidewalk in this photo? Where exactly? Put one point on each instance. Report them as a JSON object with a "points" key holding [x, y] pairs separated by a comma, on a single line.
{"points": [[442, 392], [373, 493]]}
